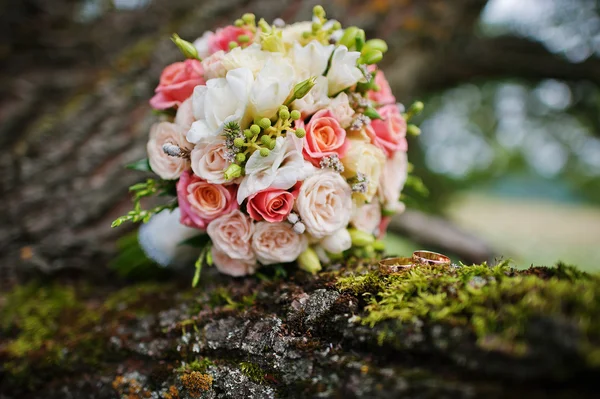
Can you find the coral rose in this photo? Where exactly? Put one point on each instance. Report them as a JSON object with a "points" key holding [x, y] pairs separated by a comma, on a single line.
{"points": [[177, 83], [324, 203], [222, 37], [166, 166], [324, 137], [277, 243], [389, 134], [272, 205], [384, 95], [232, 235], [232, 267], [202, 202]]}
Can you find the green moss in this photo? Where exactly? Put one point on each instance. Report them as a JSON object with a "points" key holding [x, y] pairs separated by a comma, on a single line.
{"points": [[140, 297], [253, 371], [222, 297], [495, 302], [200, 365]]}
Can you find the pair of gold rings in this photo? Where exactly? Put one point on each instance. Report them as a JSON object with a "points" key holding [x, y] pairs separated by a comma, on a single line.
{"points": [[422, 257]]}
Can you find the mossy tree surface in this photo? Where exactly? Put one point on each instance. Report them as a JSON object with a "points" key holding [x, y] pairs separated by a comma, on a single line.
{"points": [[425, 332]]}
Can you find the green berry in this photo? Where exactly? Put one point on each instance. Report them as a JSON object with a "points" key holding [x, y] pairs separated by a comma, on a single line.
{"points": [[248, 133], [264, 152], [283, 107], [265, 140], [316, 26], [249, 18], [319, 11], [295, 114], [300, 133], [243, 38], [336, 26], [264, 123], [238, 142], [255, 129], [239, 22], [240, 157], [284, 114], [233, 45], [272, 144]]}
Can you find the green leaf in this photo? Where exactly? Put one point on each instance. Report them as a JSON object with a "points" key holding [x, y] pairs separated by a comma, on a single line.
{"points": [[199, 263], [143, 165]]}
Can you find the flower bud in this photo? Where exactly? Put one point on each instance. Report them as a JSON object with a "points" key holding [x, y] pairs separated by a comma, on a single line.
{"points": [[272, 41], [295, 115], [187, 48], [255, 129], [359, 40], [233, 171], [370, 57], [264, 152], [318, 11], [239, 142], [415, 109], [378, 245], [302, 88], [240, 157], [309, 261], [239, 23], [348, 39], [249, 18], [316, 26], [360, 238], [372, 113], [300, 133], [375, 44], [232, 45], [413, 130]]}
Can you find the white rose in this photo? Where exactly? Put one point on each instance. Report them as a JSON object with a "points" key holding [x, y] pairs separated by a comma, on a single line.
{"points": [[277, 243], [341, 109], [272, 87], [185, 115], [251, 57], [282, 168], [392, 182], [221, 101], [232, 234], [343, 72], [201, 44], [213, 66], [338, 242], [315, 100], [208, 160], [293, 33], [166, 166], [366, 160], [310, 60], [230, 266], [324, 203], [367, 217]]}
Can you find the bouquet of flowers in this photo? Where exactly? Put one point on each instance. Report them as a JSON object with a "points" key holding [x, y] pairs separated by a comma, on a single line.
{"points": [[281, 143]]}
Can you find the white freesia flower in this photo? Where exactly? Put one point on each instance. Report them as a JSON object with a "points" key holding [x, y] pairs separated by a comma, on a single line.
{"points": [[282, 168], [251, 57], [341, 109], [343, 72], [273, 85], [201, 44], [310, 60], [338, 242], [315, 100], [221, 101]]}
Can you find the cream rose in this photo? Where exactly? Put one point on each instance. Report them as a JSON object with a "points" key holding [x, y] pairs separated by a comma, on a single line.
{"points": [[367, 217], [166, 166], [364, 163], [341, 109], [213, 66], [232, 267], [324, 203], [232, 234], [277, 243], [208, 160], [392, 182]]}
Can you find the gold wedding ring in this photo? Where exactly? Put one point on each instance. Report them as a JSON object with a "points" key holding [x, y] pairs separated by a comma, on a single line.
{"points": [[430, 258], [394, 265]]}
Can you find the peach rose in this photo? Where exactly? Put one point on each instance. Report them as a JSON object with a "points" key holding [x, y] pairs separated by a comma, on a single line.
{"points": [[389, 133], [222, 37], [185, 115], [277, 243], [202, 202], [232, 235], [177, 83], [392, 181], [324, 137], [232, 267], [209, 161], [272, 205], [166, 166], [384, 95], [367, 217], [324, 203]]}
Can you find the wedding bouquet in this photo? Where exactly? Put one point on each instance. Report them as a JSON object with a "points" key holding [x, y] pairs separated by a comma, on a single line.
{"points": [[281, 143]]}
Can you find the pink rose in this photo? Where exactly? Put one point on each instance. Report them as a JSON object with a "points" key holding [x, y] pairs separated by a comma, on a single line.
{"points": [[222, 37], [232, 234], [277, 243], [232, 267], [384, 95], [383, 225], [201, 202], [272, 205], [389, 133], [177, 83], [185, 115], [324, 137]]}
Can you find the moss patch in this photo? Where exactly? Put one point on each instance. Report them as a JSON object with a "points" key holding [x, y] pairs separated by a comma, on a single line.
{"points": [[496, 303]]}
